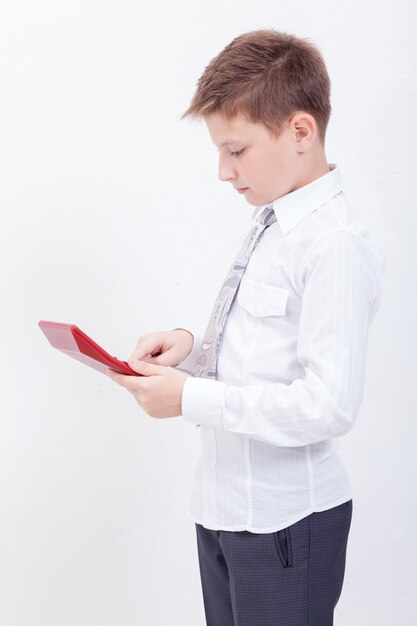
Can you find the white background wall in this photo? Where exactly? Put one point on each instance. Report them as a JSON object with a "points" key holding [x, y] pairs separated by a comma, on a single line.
{"points": [[109, 209]]}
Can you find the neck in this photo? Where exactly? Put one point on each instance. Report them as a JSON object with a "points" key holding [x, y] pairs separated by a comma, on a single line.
{"points": [[319, 167]]}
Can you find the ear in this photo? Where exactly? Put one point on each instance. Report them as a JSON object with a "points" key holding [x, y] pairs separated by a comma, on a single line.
{"points": [[304, 128]]}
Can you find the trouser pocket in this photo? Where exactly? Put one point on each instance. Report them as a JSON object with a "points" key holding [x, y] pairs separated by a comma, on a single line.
{"points": [[284, 548]]}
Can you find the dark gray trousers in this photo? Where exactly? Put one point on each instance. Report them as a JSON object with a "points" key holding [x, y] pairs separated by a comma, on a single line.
{"points": [[291, 577]]}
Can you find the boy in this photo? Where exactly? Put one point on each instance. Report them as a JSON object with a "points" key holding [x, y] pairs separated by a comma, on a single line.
{"points": [[279, 374]]}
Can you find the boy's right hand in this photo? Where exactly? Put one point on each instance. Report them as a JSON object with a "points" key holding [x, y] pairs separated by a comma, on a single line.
{"points": [[167, 348]]}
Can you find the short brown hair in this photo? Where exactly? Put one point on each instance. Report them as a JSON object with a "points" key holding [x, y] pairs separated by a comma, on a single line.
{"points": [[265, 75]]}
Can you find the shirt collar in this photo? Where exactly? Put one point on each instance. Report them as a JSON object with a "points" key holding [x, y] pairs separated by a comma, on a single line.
{"points": [[292, 207]]}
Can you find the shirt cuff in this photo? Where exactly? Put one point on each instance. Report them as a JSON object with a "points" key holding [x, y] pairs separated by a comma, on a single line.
{"points": [[203, 400]]}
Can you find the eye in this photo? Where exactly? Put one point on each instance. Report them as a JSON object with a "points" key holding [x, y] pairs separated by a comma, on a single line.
{"points": [[236, 154]]}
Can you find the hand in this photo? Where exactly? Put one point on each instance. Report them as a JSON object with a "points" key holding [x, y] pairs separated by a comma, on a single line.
{"points": [[158, 391], [168, 347]]}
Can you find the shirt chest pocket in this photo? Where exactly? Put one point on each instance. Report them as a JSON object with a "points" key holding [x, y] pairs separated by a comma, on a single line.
{"points": [[262, 300]]}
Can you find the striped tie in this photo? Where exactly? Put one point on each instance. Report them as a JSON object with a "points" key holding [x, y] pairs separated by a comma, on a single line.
{"points": [[206, 366]]}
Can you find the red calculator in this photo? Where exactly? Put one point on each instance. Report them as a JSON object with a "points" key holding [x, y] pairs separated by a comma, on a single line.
{"points": [[71, 340]]}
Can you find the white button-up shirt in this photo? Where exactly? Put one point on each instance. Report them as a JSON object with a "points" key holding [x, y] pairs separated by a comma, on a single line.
{"points": [[290, 369]]}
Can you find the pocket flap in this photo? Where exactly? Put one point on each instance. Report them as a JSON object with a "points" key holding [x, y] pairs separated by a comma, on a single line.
{"points": [[261, 300]]}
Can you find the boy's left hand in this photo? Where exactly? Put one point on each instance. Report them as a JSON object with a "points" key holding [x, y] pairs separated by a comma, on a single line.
{"points": [[158, 391]]}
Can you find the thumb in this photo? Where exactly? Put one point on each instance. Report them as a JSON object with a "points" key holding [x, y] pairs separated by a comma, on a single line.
{"points": [[145, 368]]}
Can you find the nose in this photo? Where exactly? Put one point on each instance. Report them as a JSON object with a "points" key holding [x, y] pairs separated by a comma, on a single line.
{"points": [[227, 170]]}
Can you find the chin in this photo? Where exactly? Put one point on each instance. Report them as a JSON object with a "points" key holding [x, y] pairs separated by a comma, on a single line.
{"points": [[257, 202], [251, 202]]}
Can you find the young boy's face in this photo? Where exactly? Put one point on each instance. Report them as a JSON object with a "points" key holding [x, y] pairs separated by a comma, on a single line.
{"points": [[251, 158]]}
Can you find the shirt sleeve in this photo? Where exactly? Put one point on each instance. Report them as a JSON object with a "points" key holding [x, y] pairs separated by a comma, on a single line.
{"points": [[342, 276]]}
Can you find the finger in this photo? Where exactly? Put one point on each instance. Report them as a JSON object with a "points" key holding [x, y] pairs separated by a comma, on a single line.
{"points": [[149, 358], [165, 357], [147, 369], [120, 379], [146, 349]]}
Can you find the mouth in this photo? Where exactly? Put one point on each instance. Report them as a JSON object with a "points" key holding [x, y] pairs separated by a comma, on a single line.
{"points": [[241, 189]]}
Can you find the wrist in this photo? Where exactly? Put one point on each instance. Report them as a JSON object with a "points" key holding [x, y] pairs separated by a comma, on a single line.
{"points": [[187, 331], [189, 334]]}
